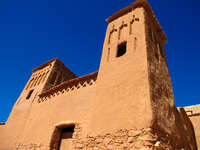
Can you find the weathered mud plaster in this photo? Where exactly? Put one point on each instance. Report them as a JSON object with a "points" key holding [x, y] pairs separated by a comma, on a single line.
{"points": [[127, 104]]}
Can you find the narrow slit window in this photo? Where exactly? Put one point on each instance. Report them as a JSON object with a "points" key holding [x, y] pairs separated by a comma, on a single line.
{"points": [[121, 49], [29, 94]]}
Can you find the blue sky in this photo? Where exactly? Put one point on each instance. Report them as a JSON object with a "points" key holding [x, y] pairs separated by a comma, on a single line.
{"points": [[33, 32]]}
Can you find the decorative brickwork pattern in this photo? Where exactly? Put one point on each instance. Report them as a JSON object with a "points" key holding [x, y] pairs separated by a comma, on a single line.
{"points": [[68, 86]]}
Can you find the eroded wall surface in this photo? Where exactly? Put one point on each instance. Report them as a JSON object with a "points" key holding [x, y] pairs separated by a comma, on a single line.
{"points": [[130, 106]]}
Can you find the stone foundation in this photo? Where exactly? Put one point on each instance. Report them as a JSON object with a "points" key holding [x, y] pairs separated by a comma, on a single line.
{"points": [[125, 139]]}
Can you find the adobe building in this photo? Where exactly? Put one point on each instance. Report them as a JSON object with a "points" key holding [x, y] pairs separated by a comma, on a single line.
{"points": [[127, 105]]}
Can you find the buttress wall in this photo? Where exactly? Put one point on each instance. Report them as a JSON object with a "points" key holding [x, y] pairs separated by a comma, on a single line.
{"points": [[167, 119]]}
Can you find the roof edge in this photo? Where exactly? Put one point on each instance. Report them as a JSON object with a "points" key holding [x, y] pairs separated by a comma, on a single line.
{"points": [[49, 62], [45, 64], [136, 4], [69, 82]]}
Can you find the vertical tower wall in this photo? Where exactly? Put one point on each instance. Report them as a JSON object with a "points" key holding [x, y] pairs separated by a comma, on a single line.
{"points": [[161, 92], [123, 98], [134, 91]]}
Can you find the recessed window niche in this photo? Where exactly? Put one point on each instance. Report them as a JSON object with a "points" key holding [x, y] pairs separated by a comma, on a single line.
{"points": [[121, 49]]}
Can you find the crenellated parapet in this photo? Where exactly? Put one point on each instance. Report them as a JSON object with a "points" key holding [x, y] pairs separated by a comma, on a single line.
{"points": [[68, 86], [192, 110]]}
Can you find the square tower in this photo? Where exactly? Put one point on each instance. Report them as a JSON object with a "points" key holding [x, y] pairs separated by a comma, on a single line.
{"points": [[134, 91]]}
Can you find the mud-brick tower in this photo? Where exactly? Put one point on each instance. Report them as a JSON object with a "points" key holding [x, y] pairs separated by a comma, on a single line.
{"points": [[134, 103], [22, 121]]}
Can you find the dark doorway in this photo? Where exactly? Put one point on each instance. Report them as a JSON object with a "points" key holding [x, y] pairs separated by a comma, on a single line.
{"points": [[66, 138]]}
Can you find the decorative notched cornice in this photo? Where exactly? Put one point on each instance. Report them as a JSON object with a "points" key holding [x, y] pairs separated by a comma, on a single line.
{"points": [[147, 7], [71, 84]]}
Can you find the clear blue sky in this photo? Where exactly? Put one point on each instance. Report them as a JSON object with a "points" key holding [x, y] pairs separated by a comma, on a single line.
{"points": [[35, 31]]}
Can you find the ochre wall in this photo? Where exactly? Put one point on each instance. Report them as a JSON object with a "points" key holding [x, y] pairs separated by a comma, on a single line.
{"points": [[122, 95], [37, 129], [21, 110], [125, 108]]}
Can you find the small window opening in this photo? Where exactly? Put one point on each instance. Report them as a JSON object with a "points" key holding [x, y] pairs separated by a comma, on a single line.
{"points": [[121, 49], [29, 94], [66, 138]]}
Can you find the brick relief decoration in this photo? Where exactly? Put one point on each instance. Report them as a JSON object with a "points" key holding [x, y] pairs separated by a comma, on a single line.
{"points": [[36, 79], [131, 23], [69, 86], [120, 29], [111, 33]]}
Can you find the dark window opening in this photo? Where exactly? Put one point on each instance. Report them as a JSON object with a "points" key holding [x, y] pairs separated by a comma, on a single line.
{"points": [[121, 49], [29, 94], [53, 78]]}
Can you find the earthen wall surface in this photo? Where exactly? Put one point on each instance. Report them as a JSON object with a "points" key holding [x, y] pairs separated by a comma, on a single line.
{"points": [[73, 105], [122, 84], [129, 104]]}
